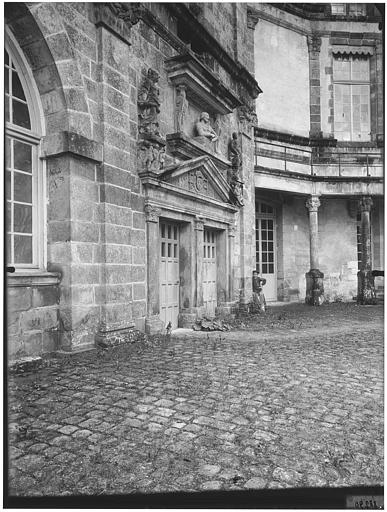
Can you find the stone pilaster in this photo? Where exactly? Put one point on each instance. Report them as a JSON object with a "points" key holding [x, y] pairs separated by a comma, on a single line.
{"points": [[153, 323], [199, 230], [314, 46], [314, 278], [231, 272], [247, 211], [366, 286]]}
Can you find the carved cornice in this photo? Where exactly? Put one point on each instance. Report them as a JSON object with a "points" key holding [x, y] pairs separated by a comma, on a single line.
{"points": [[252, 18], [313, 203], [233, 67], [293, 139], [365, 204], [152, 213], [203, 87]]}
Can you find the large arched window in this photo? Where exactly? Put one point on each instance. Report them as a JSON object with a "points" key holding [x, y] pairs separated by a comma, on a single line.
{"points": [[24, 178]]}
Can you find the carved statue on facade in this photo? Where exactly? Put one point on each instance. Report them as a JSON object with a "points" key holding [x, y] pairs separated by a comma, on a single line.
{"points": [[204, 128], [181, 108], [151, 156], [149, 104], [218, 131], [236, 187], [247, 115], [234, 152]]}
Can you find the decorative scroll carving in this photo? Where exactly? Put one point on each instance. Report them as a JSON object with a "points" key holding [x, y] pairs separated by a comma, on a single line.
{"points": [[234, 152], [232, 230], [130, 13], [195, 181], [152, 213], [313, 203], [314, 43], [365, 204], [199, 223], [181, 107]]}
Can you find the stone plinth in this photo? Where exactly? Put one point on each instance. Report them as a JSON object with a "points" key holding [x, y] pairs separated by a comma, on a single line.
{"points": [[314, 287], [366, 287]]}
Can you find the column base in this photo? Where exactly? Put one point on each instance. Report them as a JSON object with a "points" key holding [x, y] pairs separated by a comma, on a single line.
{"points": [[366, 287], [187, 318], [314, 287], [154, 325], [226, 309]]}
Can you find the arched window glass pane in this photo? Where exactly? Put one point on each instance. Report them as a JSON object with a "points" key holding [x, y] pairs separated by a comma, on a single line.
{"points": [[16, 107], [22, 177]]}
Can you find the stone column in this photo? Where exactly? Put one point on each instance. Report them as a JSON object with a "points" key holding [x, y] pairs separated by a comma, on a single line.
{"points": [[314, 278], [365, 280], [153, 324], [199, 230]]}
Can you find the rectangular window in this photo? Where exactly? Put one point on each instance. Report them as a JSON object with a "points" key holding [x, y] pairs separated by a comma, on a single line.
{"points": [[351, 75], [338, 8], [21, 192]]}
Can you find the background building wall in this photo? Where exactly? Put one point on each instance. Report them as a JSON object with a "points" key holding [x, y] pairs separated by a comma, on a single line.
{"points": [[281, 63]]}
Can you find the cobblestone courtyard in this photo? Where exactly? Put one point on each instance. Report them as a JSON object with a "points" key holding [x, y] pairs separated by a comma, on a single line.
{"points": [[292, 399]]}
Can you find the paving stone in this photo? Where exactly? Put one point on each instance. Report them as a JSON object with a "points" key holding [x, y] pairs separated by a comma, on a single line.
{"points": [[209, 470], [68, 429], [81, 434], [286, 475], [291, 401], [255, 483], [212, 485]]}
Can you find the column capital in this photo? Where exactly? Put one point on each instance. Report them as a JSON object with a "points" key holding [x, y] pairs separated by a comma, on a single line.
{"points": [[365, 204], [231, 230], [313, 203], [199, 223], [152, 213], [314, 43]]}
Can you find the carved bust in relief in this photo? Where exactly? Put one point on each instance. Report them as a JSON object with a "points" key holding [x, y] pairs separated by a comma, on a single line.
{"points": [[204, 128]]}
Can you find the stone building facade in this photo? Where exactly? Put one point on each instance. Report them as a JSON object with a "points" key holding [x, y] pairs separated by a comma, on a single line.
{"points": [[142, 189]]}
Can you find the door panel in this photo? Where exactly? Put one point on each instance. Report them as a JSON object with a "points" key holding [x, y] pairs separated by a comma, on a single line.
{"points": [[266, 249], [209, 272], [169, 273]]}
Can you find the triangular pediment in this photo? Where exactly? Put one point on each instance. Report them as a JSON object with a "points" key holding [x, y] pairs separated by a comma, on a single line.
{"points": [[199, 176]]}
